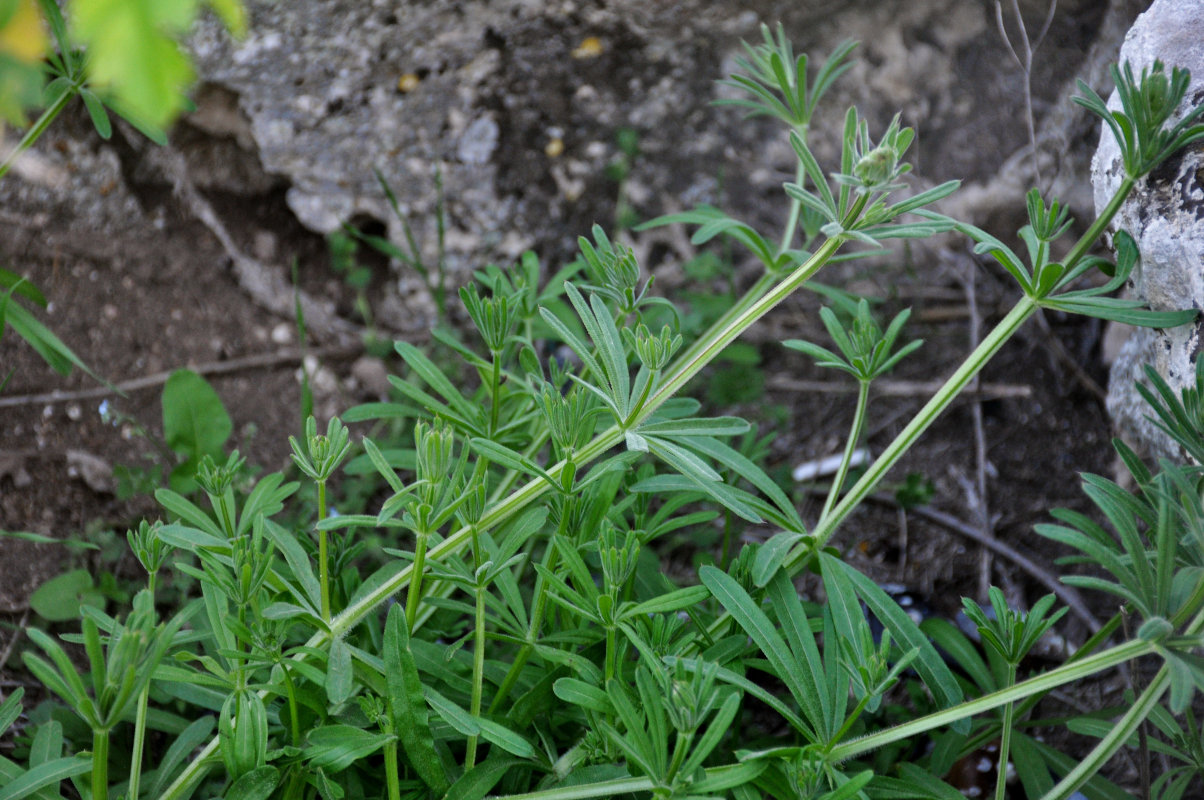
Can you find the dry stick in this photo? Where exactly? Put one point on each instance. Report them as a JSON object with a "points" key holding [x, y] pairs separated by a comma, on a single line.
{"points": [[159, 378], [967, 275], [1054, 344], [1025, 62], [8, 649], [1067, 594], [1063, 124]]}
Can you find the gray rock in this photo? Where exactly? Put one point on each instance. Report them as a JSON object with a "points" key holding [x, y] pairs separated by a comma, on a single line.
{"points": [[1165, 214]]}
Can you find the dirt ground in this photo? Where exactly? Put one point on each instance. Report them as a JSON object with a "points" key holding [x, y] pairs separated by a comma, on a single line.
{"points": [[163, 295]]}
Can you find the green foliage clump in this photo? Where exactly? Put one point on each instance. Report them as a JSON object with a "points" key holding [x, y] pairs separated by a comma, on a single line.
{"points": [[520, 637]]}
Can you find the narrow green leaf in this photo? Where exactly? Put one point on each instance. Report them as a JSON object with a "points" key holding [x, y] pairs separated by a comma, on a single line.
{"points": [[586, 695], [189, 740], [426, 369], [407, 705], [903, 629], [339, 676], [757, 625], [476, 782], [669, 602], [10, 709], [49, 774], [337, 747]]}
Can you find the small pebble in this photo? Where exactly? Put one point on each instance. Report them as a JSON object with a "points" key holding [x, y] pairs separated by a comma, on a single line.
{"points": [[282, 333]]}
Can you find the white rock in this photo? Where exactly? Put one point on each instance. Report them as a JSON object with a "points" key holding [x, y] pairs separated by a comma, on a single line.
{"points": [[1165, 214]]}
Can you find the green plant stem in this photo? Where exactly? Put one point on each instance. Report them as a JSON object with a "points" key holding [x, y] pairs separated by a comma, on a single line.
{"points": [[294, 724], [495, 385], [796, 205], [863, 396], [610, 665], [415, 591], [965, 373], [684, 369], [391, 775], [639, 404], [1005, 741], [681, 746], [1092, 235], [539, 606], [37, 129], [323, 568], [1124, 728], [614, 788], [100, 763], [139, 742], [689, 365], [478, 655], [1041, 683]]}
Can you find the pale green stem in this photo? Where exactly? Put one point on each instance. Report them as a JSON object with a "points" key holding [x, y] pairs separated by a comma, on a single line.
{"points": [[1088, 239], [863, 396], [698, 357], [1124, 728], [100, 763], [1041, 683], [681, 746], [323, 567], [39, 127], [612, 653]]}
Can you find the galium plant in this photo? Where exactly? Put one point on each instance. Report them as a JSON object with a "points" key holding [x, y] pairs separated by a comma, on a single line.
{"points": [[540, 650]]}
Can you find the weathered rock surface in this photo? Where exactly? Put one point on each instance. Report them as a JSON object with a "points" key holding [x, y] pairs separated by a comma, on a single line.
{"points": [[1165, 214]]}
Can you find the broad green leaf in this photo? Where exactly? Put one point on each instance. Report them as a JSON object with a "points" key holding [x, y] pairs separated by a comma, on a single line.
{"points": [[192, 737], [916, 784], [133, 52], [808, 666], [504, 456], [670, 601], [195, 423], [59, 599]]}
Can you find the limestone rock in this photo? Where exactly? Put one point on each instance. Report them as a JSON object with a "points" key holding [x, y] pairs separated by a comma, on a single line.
{"points": [[1165, 214]]}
